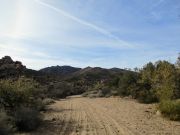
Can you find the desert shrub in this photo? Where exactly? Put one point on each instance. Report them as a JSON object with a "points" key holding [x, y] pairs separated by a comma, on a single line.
{"points": [[20, 100], [92, 96], [59, 90], [99, 90], [48, 101], [37, 104], [114, 92], [4, 126], [170, 109], [27, 119], [127, 83], [106, 91], [164, 81], [17, 93], [157, 82], [85, 94], [108, 95], [146, 96], [99, 93]]}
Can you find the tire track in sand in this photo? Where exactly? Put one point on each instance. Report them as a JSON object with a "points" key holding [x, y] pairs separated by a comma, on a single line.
{"points": [[102, 116]]}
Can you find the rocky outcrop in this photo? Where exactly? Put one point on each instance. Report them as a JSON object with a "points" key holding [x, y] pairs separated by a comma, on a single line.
{"points": [[10, 68]]}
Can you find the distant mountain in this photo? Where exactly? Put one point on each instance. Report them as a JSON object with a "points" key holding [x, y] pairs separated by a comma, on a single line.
{"points": [[96, 72], [99, 72], [77, 80], [85, 77], [118, 70], [60, 70], [92, 75]]}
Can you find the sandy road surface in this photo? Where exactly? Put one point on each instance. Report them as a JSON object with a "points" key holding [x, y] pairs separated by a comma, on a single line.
{"points": [[104, 116]]}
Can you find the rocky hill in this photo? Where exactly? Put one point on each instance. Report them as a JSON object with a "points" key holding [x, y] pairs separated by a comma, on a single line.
{"points": [[61, 80], [94, 74], [14, 69], [60, 70], [10, 68]]}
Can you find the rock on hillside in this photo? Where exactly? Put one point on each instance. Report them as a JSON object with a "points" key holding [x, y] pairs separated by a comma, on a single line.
{"points": [[10, 68]]}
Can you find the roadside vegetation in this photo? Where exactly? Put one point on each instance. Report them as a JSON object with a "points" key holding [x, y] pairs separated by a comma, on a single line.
{"points": [[21, 101], [157, 82]]}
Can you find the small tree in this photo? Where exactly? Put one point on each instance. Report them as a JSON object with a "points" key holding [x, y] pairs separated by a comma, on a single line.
{"points": [[146, 75], [165, 80], [146, 92], [127, 83]]}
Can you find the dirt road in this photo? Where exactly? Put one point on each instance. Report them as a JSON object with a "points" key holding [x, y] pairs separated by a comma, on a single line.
{"points": [[105, 116]]}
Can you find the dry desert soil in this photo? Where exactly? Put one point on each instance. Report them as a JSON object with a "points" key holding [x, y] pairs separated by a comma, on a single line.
{"points": [[104, 116]]}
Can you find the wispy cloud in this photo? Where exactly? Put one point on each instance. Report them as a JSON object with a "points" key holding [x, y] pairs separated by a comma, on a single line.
{"points": [[21, 50], [86, 23], [120, 34]]}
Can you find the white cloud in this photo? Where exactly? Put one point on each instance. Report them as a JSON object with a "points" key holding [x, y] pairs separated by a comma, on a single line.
{"points": [[88, 24]]}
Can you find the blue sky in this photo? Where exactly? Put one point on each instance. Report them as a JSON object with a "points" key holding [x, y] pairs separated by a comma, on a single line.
{"points": [[81, 33]]}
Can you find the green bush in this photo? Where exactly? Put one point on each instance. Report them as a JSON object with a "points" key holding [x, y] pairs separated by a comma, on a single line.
{"points": [[59, 90], [146, 96], [99, 90], [27, 119], [17, 93], [164, 81], [106, 91], [20, 100], [4, 126], [38, 104], [85, 94], [170, 109], [127, 83]]}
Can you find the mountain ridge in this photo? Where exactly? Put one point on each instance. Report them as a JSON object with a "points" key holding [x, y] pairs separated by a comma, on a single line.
{"points": [[10, 68], [60, 70]]}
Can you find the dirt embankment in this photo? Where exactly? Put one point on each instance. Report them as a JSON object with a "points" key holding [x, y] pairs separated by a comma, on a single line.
{"points": [[104, 116]]}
